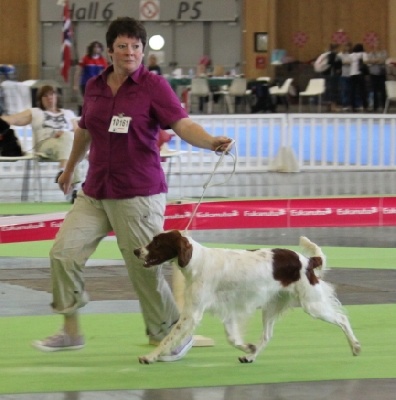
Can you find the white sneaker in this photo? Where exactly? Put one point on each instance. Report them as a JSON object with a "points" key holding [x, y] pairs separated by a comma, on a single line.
{"points": [[58, 342], [178, 352]]}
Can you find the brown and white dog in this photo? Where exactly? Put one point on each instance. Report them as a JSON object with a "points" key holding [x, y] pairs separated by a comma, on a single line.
{"points": [[234, 283]]}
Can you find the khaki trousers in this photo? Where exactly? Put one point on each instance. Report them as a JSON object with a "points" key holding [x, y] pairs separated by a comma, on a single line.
{"points": [[134, 221]]}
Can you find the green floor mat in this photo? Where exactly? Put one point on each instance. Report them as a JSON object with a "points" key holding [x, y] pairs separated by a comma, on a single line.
{"points": [[302, 349], [343, 257], [33, 208]]}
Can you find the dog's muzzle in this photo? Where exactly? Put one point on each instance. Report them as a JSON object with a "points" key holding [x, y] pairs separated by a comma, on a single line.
{"points": [[142, 254]]}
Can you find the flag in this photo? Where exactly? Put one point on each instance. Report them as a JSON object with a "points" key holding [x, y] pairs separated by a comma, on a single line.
{"points": [[66, 42]]}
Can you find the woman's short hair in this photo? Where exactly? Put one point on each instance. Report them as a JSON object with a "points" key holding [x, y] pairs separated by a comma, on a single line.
{"points": [[43, 91], [125, 26]]}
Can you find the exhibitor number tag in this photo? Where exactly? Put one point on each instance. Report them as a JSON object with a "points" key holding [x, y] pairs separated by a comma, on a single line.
{"points": [[120, 124]]}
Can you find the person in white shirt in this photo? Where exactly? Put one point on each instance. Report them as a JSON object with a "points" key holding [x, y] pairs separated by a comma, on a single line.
{"points": [[53, 130], [358, 78], [345, 78]]}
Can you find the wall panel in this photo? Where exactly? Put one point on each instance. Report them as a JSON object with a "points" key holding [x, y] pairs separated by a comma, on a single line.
{"points": [[257, 16], [391, 36], [320, 19], [19, 33]]}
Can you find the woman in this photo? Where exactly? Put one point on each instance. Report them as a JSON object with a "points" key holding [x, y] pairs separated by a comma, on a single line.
{"points": [[92, 64], [332, 75], [345, 79], [358, 58], [376, 61], [125, 190], [53, 131], [153, 65]]}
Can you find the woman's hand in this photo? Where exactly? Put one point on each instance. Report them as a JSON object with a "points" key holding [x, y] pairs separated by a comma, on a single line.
{"points": [[221, 143], [57, 134], [65, 181]]}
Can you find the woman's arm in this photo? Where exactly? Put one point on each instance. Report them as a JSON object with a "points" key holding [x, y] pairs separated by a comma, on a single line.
{"points": [[81, 142], [196, 135], [20, 119]]}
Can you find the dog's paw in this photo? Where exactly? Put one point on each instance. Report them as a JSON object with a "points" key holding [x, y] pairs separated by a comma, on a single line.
{"points": [[146, 360], [245, 360], [356, 349]]}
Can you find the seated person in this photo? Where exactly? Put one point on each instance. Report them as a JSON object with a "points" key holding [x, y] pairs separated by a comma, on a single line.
{"points": [[153, 65], [53, 130], [204, 64]]}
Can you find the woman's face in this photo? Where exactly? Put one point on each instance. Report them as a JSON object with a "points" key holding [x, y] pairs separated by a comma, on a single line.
{"points": [[127, 54], [49, 100], [97, 49]]}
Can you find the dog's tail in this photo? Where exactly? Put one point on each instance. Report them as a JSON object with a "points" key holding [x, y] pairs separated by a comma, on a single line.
{"points": [[317, 260]]}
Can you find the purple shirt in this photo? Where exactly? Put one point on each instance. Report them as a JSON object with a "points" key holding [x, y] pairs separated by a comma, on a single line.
{"points": [[125, 165]]}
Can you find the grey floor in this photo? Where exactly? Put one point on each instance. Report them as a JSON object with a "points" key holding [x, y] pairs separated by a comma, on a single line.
{"points": [[378, 288], [370, 389]]}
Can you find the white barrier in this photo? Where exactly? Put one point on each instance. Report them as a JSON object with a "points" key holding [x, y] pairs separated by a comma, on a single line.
{"points": [[343, 141], [265, 142], [318, 141]]}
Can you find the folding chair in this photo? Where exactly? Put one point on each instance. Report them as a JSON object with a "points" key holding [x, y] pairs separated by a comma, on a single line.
{"points": [[316, 88], [282, 91], [390, 87]]}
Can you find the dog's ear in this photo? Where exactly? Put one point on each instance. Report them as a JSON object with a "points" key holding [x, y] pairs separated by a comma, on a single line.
{"points": [[184, 252]]}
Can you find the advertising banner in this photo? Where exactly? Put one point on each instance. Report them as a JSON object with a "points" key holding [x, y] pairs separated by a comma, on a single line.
{"points": [[244, 214]]}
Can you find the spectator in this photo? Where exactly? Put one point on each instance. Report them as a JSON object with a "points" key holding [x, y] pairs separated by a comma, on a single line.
{"points": [[204, 64], [345, 78], [153, 65], [53, 131], [92, 64], [331, 76], [358, 78], [376, 63]]}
